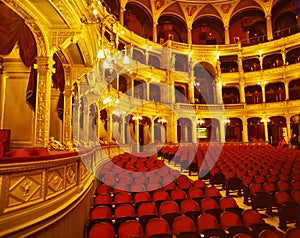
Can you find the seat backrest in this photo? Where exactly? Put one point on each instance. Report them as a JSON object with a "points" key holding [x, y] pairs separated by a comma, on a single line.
{"points": [[102, 230], [147, 209], [229, 219], [189, 205], [103, 198], [208, 204], [212, 192], [293, 232], [160, 195], [251, 216], [282, 197], [168, 207], [227, 202], [130, 228], [101, 212], [157, 226], [207, 221], [183, 224], [195, 193], [296, 195], [124, 210], [142, 197], [178, 194], [255, 188], [269, 234], [123, 197]]}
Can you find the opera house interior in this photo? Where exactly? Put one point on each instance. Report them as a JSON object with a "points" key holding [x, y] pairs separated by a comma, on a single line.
{"points": [[150, 118]]}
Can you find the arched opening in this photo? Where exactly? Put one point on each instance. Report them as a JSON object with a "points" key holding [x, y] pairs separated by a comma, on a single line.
{"points": [[140, 89], [184, 130], [253, 94], [295, 131], [208, 130], [155, 94], [181, 93], [293, 56], [250, 65], [277, 130], [160, 127], [272, 61], [204, 91], [234, 128], [275, 92], [102, 127], [256, 130], [230, 95], [294, 89]]}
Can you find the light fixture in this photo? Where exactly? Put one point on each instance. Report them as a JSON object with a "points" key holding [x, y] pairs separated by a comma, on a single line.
{"points": [[136, 118], [200, 121], [106, 65], [227, 121], [265, 120], [101, 54], [161, 120], [126, 59]]}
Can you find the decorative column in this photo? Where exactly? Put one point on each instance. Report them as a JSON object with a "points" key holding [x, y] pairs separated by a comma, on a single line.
{"points": [[286, 88], [288, 135], [42, 108], [2, 93], [84, 135], [121, 17], [269, 27], [227, 36], [242, 91], [189, 36], [109, 124], [152, 131], [222, 129], [123, 131], [263, 92], [245, 130], [219, 92], [194, 128], [154, 32], [67, 117], [266, 130], [283, 53], [137, 134], [148, 91]]}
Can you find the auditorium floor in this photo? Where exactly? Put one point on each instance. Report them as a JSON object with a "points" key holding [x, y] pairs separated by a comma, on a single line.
{"points": [[273, 220]]}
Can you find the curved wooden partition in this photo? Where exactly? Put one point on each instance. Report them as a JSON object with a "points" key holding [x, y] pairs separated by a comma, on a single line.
{"points": [[49, 196]]}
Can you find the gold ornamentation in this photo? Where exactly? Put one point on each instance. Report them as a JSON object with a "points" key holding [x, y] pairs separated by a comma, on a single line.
{"points": [[159, 4], [25, 188], [226, 7], [191, 9]]}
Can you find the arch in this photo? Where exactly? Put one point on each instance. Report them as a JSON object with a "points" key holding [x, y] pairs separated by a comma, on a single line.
{"points": [[272, 61], [294, 89], [208, 30], [160, 127], [138, 19], [184, 130], [256, 130], [171, 27], [234, 130], [155, 92], [208, 130], [293, 56], [204, 92], [251, 64], [140, 90], [249, 25], [253, 94], [230, 95], [275, 92], [276, 129]]}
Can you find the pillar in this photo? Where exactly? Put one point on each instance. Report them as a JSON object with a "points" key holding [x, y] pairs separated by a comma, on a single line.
{"points": [[242, 91], [152, 131], [227, 36], [222, 130], [245, 130], [2, 93], [137, 134], [189, 36], [109, 124], [266, 130], [286, 88], [154, 32], [123, 132], [263, 92], [42, 109], [219, 92], [269, 27], [121, 17], [148, 91], [194, 130], [67, 117], [288, 130]]}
